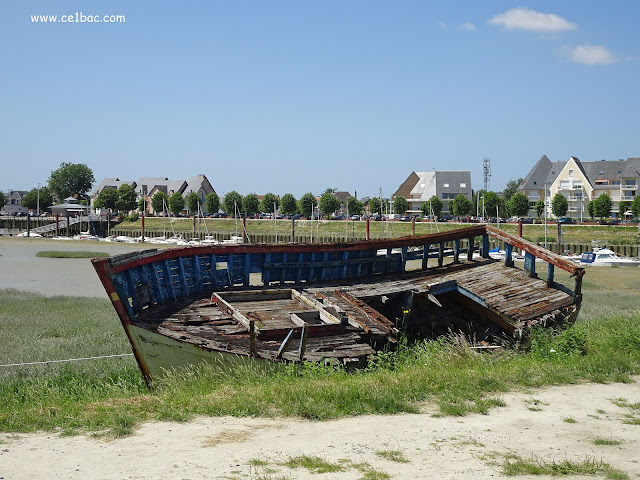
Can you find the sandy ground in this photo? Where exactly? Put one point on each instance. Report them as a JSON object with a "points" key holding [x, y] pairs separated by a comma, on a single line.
{"points": [[532, 425]]}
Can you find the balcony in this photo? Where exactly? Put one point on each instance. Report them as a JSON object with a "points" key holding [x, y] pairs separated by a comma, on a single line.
{"points": [[629, 186]]}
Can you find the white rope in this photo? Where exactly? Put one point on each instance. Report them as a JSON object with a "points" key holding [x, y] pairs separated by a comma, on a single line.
{"points": [[66, 360]]}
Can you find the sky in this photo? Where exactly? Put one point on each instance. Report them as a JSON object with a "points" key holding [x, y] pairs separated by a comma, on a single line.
{"points": [[302, 95]]}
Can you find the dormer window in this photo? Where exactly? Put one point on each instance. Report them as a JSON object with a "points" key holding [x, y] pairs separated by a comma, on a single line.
{"points": [[446, 185], [570, 173]]}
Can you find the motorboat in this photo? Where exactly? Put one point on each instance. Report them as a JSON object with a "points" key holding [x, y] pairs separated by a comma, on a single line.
{"points": [[606, 257]]}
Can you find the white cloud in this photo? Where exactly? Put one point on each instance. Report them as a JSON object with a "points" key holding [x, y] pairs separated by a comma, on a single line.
{"points": [[468, 26], [442, 24], [526, 19], [592, 55]]}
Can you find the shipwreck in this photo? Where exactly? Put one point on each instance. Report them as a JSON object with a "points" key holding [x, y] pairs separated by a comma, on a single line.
{"points": [[337, 302]]}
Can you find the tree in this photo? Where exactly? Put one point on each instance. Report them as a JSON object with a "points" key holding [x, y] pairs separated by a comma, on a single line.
{"points": [[231, 200], [142, 205], [591, 208], [176, 203], [270, 203], [126, 198], [623, 206], [160, 202], [30, 200], [250, 204], [212, 202], [635, 207], [519, 205], [400, 205], [432, 206], [107, 198], [354, 206], [193, 202], [375, 206], [603, 205], [306, 204], [71, 179], [493, 204], [288, 204], [461, 205], [329, 203], [559, 205], [3, 200], [511, 188], [540, 206]]}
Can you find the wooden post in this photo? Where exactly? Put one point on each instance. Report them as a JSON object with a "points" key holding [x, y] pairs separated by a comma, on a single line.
{"points": [[68, 226], [252, 337], [425, 256], [293, 229], [142, 226], [559, 238], [470, 249], [28, 225], [413, 226], [577, 291], [456, 250], [440, 254], [550, 271], [508, 260], [520, 228], [367, 236], [530, 265], [303, 342], [57, 224], [485, 245]]}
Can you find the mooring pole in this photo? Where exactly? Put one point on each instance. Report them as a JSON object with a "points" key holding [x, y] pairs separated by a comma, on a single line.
{"points": [[293, 229], [142, 226], [245, 235], [520, 228], [413, 226], [367, 236]]}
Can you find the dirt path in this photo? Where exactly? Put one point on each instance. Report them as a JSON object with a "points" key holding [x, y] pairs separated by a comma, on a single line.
{"points": [[532, 425]]}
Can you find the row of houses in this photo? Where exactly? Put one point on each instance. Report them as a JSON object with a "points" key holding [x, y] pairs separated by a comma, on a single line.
{"points": [[581, 182], [419, 187], [147, 187]]}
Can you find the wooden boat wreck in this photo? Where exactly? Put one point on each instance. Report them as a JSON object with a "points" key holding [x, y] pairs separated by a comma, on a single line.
{"points": [[329, 302]]}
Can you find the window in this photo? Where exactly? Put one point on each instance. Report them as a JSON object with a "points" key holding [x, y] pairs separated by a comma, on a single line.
{"points": [[463, 185], [570, 173], [446, 185], [448, 196]]}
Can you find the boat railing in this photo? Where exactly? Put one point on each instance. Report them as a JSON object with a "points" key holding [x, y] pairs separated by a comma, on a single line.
{"points": [[150, 277]]}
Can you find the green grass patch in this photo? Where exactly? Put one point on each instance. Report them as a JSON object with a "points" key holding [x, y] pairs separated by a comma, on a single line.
{"points": [[392, 455], [314, 464], [569, 420], [70, 254], [110, 397], [606, 442], [519, 466]]}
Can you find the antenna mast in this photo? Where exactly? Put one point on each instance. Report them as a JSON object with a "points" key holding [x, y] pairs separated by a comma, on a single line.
{"points": [[486, 172]]}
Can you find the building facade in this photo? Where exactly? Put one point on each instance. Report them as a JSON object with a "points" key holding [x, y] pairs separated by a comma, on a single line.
{"points": [[419, 187]]}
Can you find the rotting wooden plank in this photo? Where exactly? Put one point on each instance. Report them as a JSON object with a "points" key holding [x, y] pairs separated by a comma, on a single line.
{"points": [[228, 309], [285, 344]]}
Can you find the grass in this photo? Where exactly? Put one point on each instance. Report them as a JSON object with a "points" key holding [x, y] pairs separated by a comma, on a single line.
{"points": [[392, 455], [68, 254], [573, 234], [109, 396], [569, 420], [606, 442], [519, 466]]}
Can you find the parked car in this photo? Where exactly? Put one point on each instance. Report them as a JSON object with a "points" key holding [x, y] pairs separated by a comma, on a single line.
{"points": [[338, 217], [566, 220], [355, 217]]}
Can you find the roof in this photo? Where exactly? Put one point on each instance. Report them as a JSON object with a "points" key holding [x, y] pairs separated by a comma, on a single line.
{"points": [[197, 183], [425, 187], [343, 196], [538, 175], [110, 182], [404, 190]]}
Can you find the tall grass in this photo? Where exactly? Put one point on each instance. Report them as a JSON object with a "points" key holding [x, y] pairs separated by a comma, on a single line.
{"points": [[110, 396]]}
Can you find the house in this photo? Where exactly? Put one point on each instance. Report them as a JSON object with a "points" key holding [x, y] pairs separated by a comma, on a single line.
{"points": [[70, 207], [419, 187], [581, 182], [14, 203]]}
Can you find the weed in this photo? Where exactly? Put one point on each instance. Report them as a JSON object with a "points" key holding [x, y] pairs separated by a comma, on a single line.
{"points": [[606, 441], [314, 464], [392, 455], [569, 420], [519, 466]]}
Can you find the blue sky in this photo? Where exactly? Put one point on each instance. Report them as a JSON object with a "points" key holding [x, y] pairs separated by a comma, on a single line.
{"points": [[296, 96]]}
